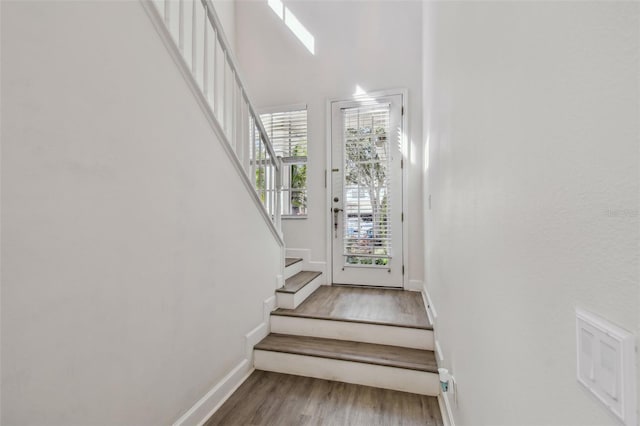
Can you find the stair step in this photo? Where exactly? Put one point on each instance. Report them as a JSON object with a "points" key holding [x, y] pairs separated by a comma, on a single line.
{"points": [[353, 331], [298, 281], [289, 261], [381, 366], [368, 353], [385, 317], [292, 265], [297, 288]]}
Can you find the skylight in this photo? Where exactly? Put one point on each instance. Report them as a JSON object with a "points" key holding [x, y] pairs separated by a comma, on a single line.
{"points": [[294, 24]]}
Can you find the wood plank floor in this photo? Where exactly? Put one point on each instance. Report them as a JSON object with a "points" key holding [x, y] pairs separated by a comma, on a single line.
{"points": [[368, 353], [370, 305], [267, 398]]}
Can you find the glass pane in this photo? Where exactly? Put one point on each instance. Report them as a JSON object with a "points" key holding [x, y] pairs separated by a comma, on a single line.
{"points": [[367, 239], [287, 132]]}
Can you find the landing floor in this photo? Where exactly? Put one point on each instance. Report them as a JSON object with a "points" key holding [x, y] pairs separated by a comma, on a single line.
{"points": [[267, 398], [371, 305]]}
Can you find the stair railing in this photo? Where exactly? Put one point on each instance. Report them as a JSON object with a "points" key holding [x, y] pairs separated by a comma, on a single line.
{"points": [[197, 35]]}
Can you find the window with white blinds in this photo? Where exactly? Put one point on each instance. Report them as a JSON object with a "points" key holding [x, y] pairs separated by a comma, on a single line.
{"points": [[287, 131], [367, 239]]}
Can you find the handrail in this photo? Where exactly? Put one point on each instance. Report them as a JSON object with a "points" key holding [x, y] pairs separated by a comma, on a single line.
{"points": [[241, 130], [222, 38]]}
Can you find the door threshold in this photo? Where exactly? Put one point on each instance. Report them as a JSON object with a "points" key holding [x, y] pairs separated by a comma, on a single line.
{"points": [[382, 287]]}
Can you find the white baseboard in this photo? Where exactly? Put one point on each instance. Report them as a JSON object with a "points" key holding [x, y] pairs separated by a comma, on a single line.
{"points": [[445, 410], [319, 267], [262, 330], [415, 285], [307, 263], [304, 254], [428, 303], [218, 394], [209, 404], [438, 351]]}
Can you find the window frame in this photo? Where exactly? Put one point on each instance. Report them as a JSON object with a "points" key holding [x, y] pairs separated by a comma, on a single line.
{"points": [[284, 109]]}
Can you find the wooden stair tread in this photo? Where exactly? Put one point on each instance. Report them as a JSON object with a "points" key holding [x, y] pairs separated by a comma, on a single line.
{"points": [[288, 261], [298, 281], [368, 353]]}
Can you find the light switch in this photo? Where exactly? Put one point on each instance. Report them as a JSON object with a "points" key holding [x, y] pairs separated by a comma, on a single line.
{"points": [[606, 364]]}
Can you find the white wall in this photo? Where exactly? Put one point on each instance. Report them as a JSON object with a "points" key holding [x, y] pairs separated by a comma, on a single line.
{"points": [[125, 228], [373, 44], [531, 119]]}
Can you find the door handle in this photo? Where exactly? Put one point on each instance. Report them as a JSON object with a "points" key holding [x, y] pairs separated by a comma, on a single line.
{"points": [[336, 210]]}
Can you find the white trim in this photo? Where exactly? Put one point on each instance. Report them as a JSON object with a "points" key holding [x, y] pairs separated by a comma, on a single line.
{"points": [[439, 353], [406, 157], [445, 410], [268, 306], [185, 70], [426, 307], [319, 267], [415, 285], [416, 338], [380, 376], [282, 108], [292, 217], [212, 400], [299, 253], [327, 190], [206, 406], [404, 93], [308, 264], [431, 310]]}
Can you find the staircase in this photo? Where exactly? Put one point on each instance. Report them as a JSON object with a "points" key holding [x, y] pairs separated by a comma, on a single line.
{"points": [[367, 336], [298, 284]]}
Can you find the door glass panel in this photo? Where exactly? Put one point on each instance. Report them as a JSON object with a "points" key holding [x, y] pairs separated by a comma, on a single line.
{"points": [[367, 235]]}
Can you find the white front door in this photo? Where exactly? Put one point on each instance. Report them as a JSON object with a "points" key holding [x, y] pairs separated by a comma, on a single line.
{"points": [[366, 194]]}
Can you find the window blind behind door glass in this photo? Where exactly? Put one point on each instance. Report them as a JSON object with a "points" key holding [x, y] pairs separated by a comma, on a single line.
{"points": [[367, 236]]}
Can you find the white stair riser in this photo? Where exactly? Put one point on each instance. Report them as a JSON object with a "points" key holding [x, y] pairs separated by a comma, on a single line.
{"points": [[354, 331], [290, 271], [293, 300], [378, 376]]}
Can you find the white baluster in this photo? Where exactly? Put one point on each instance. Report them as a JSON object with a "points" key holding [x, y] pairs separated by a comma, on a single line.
{"points": [[205, 61], [260, 173], [214, 104], [246, 134], [223, 92], [194, 35], [278, 218], [167, 13], [253, 149], [181, 26], [233, 117], [272, 188]]}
